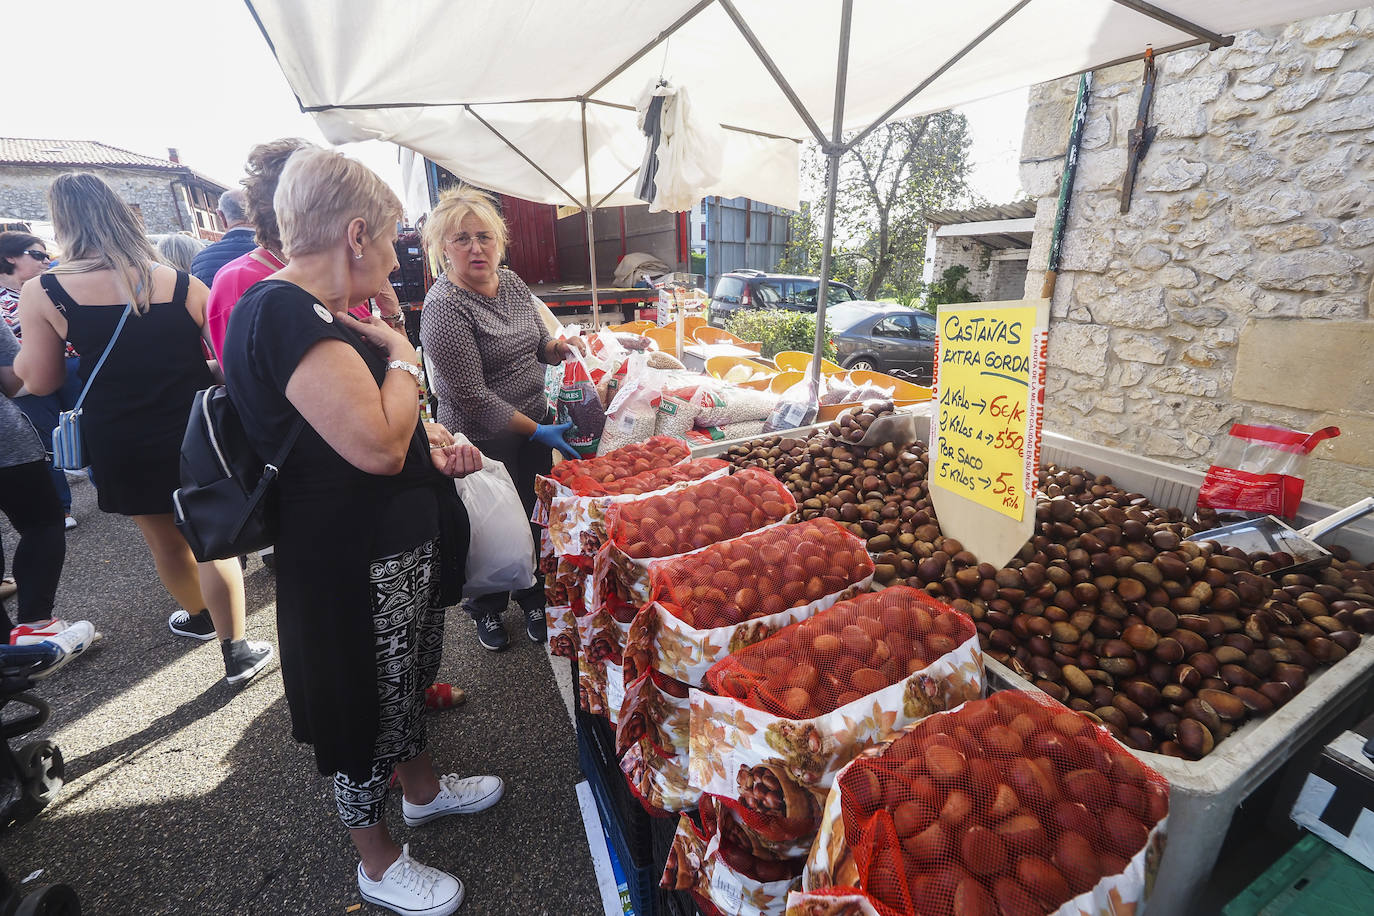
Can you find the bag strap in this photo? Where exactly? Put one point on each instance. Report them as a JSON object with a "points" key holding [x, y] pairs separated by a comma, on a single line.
{"points": [[263, 261], [108, 347], [269, 474]]}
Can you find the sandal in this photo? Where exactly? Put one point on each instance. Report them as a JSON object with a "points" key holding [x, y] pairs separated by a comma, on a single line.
{"points": [[444, 696]]}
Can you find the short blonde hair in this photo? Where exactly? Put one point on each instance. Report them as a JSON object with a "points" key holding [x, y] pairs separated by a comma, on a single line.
{"points": [[455, 205], [177, 251], [320, 192]]}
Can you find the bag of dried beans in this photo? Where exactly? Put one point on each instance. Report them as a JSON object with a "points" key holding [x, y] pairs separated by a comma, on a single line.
{"points": [[1013, 802], [796, 707], [707, 604]]}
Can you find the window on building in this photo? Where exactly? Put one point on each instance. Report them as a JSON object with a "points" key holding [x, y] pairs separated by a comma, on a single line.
{"points": [[703, 232]]}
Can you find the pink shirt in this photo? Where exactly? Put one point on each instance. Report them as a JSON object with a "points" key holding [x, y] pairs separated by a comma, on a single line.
{"points": [[232, 281]]}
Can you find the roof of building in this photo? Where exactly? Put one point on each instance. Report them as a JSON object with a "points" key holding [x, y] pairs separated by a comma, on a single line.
{"points": [[90, 153], [1021, 209]]}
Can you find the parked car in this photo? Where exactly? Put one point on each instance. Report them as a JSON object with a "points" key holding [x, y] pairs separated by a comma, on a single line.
{"points": [[739, 290], [884, 338]]}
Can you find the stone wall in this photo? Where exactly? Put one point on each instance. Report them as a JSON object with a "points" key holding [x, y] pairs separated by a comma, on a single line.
{"points": [[963, 251], [1238, 287], [23, 194]]}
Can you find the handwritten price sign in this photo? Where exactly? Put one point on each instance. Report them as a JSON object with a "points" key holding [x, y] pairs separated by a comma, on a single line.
{"points": [[990, 367]]}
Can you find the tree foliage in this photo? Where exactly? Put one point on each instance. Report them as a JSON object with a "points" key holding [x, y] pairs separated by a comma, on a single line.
{"points": [[950, 289], [779, 330], [887, 184]]}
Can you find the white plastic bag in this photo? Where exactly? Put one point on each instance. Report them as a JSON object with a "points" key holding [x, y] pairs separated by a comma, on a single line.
{"points": [[500, 546]]}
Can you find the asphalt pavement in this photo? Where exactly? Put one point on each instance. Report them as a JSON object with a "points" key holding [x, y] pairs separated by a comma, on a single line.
{"points": [[187, 796]]}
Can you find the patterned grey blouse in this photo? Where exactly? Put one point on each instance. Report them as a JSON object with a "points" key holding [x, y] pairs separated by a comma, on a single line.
{"points": [[486, 354]]}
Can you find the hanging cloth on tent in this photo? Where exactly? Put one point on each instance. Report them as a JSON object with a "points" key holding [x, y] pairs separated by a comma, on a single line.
{"points": [[682, 159]]}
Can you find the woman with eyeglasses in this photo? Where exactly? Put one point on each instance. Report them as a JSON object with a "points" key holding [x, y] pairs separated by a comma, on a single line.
{"points": [[110, 292], [23, 257], [488, 351]]}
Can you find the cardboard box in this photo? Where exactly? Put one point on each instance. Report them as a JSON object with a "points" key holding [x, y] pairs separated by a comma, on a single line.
{"points": [[1337, 799]]}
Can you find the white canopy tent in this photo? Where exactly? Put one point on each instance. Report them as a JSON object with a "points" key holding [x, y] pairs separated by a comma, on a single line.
{"points": [[536, 98]]}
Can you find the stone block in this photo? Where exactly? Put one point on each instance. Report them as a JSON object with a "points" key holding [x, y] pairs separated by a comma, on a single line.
{"points": [[1180, 109], [1201, 317], [1097, 132], [1308, 147], [1100, 170], [1337, 484], [1312, 271], [1299, 95], [1140, 348], [1148, 257], [1336, 307], [1289, 236], [1086, 249], [1175, 175], [1348, 114], [1230, 110], [1047, 129], [1251, 92], [1349, 83], [1357, 233], [1223, 266], [1041, 179], [1327, 29], [1182, 62], [1125, 375], [1259, 75], [1177, 277], [1329, 171], [1355, 444], [1143, 310], [1178, 380], [1329, 59], [1199, 355], [1348, 202], [1248, 171], [1314, 365], [1266, 207], [1078, 348]]}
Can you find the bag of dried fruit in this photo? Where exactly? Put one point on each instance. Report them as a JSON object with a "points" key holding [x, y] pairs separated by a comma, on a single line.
{"points": [[577, 524], [723, 878], [1013, 802], [716, 601], [796, 707]]}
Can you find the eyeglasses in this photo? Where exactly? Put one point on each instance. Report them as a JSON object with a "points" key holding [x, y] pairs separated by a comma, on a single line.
{"points": [[38, 255], [485, 239]]}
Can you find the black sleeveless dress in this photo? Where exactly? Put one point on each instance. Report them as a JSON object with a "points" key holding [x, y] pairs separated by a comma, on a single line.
{"points": [[134, 417]]}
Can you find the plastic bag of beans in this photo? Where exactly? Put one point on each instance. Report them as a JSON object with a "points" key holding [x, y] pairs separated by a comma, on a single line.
{"points": [[686, 520], [728, 404], [577, 524], [733, 594], [580, 405], [796, 707], [1011, 802], [725, 879]]}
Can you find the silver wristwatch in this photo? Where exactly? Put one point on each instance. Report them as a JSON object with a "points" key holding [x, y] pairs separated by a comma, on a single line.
{"points": [[404, 366]]}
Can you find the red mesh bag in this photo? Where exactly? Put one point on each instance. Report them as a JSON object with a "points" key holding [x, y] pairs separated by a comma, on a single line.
{"points": [[724, 878], [759, 574], [656, 710], [662, 478], [1013, 801], [589, 476], [856, 648], [699, 515]]}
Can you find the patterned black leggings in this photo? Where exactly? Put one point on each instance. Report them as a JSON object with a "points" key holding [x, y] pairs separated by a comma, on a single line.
{"points": [[410, 641]]}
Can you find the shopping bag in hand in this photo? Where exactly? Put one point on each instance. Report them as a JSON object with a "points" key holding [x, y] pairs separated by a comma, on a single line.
{"points": [[501, 548]]}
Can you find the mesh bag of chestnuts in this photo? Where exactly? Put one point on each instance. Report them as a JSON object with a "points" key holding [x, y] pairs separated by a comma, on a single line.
{"points": [[763, 836], [600, 638], [716, 601], [577, 522], [589, 476], [799, 705], [1013, 802], [659, 783], [686, 520], [655, 709], [724, 878]]}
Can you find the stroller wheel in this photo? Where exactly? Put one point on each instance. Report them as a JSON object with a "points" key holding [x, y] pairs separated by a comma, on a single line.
{"points": [[58, 900], [43, 770]]}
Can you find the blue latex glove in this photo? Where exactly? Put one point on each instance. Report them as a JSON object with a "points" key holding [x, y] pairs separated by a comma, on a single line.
{"points": [[551, 434]]}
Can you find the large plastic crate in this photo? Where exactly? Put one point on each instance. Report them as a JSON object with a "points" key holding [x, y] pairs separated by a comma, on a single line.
{"points": [[670, 903], [1312, 878], [626, 823]]}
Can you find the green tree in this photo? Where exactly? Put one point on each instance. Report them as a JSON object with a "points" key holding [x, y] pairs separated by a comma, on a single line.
{"points": [[950, 288], [887, 183]]}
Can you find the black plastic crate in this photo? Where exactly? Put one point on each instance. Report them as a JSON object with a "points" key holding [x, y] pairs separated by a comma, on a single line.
{"points": [[596, 744], [670, 903]]}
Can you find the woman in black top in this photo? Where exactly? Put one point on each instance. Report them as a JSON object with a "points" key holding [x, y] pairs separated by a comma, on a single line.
{"points": [[372, 538], [134, 415]]}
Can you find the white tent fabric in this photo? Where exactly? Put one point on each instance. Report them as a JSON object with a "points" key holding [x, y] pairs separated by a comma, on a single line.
{"points": [[439, 77], [688, 152]]}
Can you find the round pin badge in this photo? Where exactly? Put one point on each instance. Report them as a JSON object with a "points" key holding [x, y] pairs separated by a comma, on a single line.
{"points": [[325, 315]]}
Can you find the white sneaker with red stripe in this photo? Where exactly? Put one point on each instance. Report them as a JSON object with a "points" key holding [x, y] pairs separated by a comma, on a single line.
{"points": [[26, 634]]}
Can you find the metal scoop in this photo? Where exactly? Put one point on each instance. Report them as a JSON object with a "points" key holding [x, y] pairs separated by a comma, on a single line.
{"points": [[1270, 535]]}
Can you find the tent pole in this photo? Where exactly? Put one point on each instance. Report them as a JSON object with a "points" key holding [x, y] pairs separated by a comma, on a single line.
{"points": [[588, 214], [834, 152]]}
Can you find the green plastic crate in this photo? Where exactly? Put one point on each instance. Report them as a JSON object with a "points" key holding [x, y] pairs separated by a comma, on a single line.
{"points": [[1314, 878]]}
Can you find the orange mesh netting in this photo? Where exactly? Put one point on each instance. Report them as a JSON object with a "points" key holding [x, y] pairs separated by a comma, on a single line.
{"points": [[766, 836], [855, 648], [760, 574], [1013, 799], [657, 479], [588, 476], [702, 514]]}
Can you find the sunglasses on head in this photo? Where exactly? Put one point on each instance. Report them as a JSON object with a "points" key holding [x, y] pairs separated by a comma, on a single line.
{"points": [[38, 255]]}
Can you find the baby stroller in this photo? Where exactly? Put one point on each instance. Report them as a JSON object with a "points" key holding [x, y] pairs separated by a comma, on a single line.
{"points": [[31, 776]]}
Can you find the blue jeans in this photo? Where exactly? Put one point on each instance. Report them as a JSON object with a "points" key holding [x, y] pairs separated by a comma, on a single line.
{"points": [[42, 411]]}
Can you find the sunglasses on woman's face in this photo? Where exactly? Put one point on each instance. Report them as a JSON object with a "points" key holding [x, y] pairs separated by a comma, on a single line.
{"points": [[38, 255]]}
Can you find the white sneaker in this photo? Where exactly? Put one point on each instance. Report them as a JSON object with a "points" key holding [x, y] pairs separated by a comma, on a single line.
{"points": [[457, 795], [412, 889], [74, 640], [70, 523]]}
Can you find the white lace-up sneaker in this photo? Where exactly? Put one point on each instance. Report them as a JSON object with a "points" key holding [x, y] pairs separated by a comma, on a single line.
{"points": [[412, 889], [457, 795]]}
